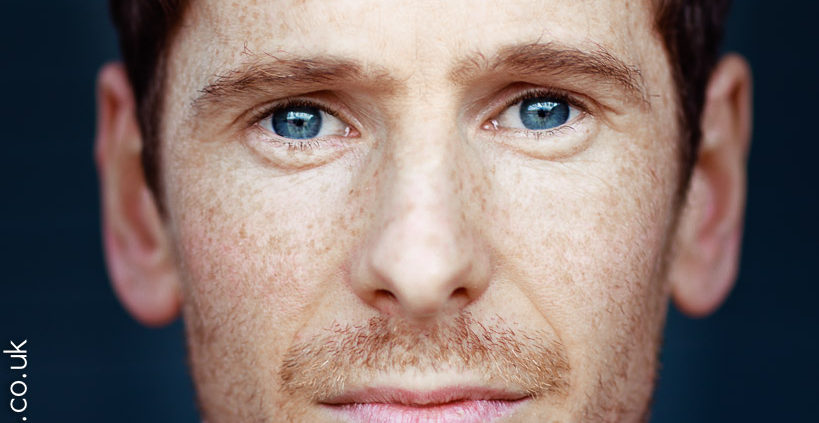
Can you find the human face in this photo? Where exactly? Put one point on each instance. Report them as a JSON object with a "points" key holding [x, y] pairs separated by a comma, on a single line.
{"points": [[476, 227]]}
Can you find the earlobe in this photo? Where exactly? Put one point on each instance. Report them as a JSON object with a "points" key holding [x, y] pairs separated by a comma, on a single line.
{"points": [[706, 254], [137, 248]]}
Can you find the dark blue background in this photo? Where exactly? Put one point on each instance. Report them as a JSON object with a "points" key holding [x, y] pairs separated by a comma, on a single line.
{"points": [[753, 361]]}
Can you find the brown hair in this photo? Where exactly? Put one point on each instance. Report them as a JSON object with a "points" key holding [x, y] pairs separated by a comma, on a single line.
{"points": [[692, 33], [690, 29], [145, 30]]}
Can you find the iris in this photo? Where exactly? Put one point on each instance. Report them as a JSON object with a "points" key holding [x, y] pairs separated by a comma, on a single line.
{"points": [[541, 113], [297, 122]]}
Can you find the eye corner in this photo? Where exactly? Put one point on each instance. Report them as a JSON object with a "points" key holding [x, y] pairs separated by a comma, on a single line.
{"points": [[490, 125]]}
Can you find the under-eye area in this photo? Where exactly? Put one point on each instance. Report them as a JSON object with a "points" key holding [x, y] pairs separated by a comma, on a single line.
{"points": [[543, 123], [299, 133]]}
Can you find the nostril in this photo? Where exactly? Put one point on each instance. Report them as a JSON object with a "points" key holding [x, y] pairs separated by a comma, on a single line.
{"points": [[385, 301], [384, 295], [459, 298]]}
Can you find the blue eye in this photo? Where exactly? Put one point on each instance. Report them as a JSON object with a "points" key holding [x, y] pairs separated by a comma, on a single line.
{"points": [[304, 121], [536, 114], [543, 113], [297, 122]]}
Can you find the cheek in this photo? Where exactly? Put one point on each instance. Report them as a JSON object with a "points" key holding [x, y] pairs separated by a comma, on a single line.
{"points": [[253, 270], [228, 254], [241, 286], [587, 238], [247, 237], [228, 269]]}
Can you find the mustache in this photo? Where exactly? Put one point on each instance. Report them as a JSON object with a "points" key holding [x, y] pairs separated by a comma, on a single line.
{"points": [[325, 364]]}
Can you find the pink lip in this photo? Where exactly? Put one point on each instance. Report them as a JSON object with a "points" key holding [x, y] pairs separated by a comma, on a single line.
{"points": [[455, 405]]}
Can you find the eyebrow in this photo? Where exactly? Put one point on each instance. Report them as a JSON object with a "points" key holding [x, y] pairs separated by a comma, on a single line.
{"points": [[598, 65], [267, 74]]}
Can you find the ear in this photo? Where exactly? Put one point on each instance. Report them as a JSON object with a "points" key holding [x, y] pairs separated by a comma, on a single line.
{"points": [[706, 259], [137, 248]]}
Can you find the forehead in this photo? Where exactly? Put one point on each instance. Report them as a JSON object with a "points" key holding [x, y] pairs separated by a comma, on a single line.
{"points": [[410, 37]]}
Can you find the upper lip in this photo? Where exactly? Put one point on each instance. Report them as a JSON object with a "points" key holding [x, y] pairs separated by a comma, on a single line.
{"points": [[422, 398]]}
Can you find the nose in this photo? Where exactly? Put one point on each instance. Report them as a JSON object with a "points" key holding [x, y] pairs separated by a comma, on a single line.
{"points": [[423, 257]]}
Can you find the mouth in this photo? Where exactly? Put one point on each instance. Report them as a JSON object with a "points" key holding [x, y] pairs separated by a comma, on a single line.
{"points": [[451, 405]]}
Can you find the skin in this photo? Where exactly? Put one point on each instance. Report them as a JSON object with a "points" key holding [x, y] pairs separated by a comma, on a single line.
{"points": [[568, 243]]}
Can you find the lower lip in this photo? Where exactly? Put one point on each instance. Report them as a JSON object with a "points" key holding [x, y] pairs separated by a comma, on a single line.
{"points": [[467, 411]]}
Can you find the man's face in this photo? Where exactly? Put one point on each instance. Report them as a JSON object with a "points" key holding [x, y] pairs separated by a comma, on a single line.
{"points": [[476, 225]]}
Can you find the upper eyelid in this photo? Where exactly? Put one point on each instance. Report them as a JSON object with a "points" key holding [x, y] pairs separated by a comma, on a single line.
{"points": [[262, 112], [533, 92]]}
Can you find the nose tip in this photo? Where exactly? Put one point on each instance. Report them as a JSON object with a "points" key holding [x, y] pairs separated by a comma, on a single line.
{"points": [[420, 267], [422, 283]]}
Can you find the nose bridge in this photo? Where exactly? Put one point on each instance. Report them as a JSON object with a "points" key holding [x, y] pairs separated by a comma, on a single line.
{"points": [[420, 259], [421, 201], [423, 181]]}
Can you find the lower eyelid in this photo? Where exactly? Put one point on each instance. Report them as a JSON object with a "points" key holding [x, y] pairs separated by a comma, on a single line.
{"points": [[559, 143], [575, 115], [545, 133]]}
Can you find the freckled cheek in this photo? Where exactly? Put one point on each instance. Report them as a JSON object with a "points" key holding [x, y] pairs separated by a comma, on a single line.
{"points": [[257, 274], [247, 244], [583, 249], [587, 238]]}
